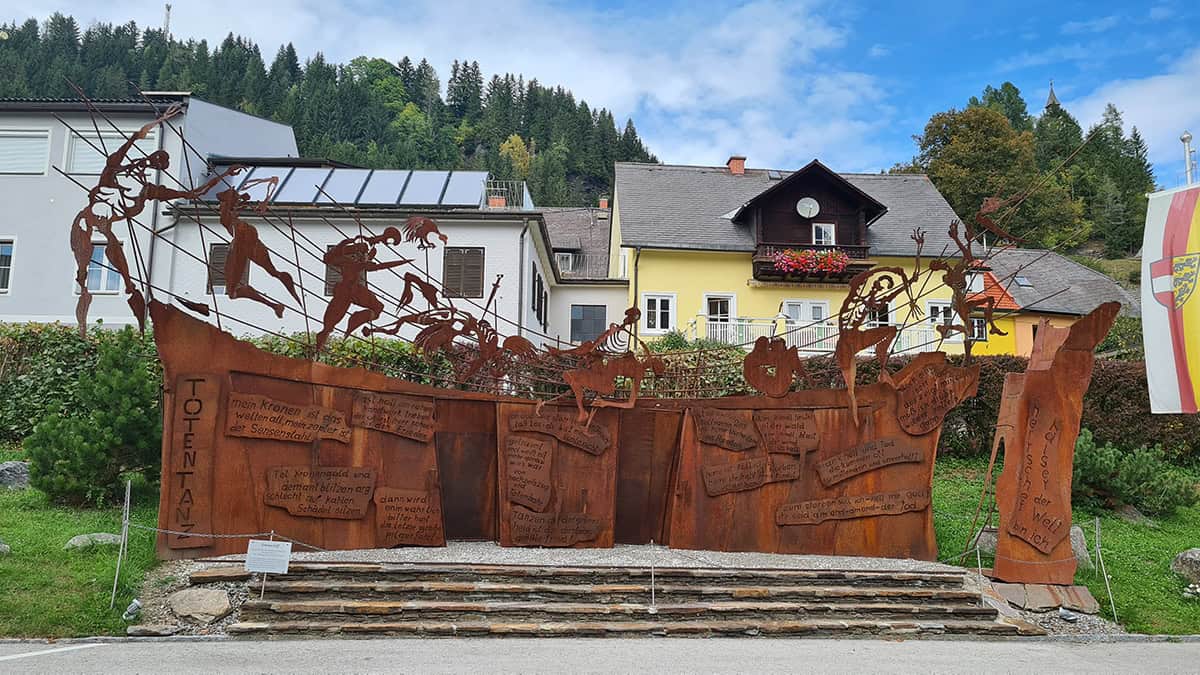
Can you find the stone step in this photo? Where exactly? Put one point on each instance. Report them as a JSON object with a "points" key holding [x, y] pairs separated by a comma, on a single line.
{"points": [[321, 589], [532, 611], [737, 628], [371, 572]]}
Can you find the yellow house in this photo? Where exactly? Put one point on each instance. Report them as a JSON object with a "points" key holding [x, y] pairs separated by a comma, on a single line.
{"points": [[701, 248]]}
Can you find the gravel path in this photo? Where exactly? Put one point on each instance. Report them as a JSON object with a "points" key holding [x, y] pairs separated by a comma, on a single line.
{"points": [[619, 556]]}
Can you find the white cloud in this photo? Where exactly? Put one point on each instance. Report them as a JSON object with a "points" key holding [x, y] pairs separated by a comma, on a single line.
{"points": [[1161, 106], [1055, 54], [878, 51], [1098, 25], [700, 85]]}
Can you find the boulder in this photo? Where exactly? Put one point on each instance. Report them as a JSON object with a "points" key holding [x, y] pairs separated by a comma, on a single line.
{"points": [[985, 540], [1080, 548], [1130, 514], [14, 475], [205, 605], [151, 630], [84, 542], [5, 549], [1187, 565]]}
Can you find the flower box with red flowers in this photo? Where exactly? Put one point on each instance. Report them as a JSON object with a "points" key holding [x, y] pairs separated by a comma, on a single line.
{"points": [[808, 261]]}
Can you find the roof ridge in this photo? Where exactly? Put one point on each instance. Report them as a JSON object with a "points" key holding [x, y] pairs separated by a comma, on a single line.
{"points": [[722, 167]]}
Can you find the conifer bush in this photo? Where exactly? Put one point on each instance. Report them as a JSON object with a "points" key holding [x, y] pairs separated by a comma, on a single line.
{"points": [[1106, 476], [113, 428]]}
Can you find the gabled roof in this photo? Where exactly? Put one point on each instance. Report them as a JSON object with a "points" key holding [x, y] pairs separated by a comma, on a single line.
{"points": [[1046, 282], [874, 208], [692, 207], [581, 230], [992, 288]]}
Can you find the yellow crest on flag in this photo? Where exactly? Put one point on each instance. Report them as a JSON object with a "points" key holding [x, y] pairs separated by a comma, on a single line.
{"points": [[1184, 270]]}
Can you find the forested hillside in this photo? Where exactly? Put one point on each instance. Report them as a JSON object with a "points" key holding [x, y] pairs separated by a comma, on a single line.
{"points": [[994, 146], [369, 112]]}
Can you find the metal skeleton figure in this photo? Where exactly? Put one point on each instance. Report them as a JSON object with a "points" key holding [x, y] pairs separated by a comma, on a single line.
{"points": [[245, 246], [111, 202], [599, 368], [353, 258], [862, 301]]}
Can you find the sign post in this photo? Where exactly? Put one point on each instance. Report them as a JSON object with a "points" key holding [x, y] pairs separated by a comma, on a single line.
{"points": [[268, 557]]}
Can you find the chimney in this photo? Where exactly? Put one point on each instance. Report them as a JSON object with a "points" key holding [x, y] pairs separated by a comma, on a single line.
{"points": [[736, 164], [604, 202]]}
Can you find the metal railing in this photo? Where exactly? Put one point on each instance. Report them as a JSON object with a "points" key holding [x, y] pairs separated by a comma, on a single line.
{"points": [[582, 265], [810, 338], [510, 194], [852, 251]]}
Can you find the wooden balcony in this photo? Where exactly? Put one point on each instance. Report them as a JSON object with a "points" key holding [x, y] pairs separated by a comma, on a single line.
{"points": [[764, 263]]}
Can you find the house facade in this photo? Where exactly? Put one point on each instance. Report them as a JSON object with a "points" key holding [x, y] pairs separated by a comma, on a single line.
{"points": [[50, 156], [730, 254]]}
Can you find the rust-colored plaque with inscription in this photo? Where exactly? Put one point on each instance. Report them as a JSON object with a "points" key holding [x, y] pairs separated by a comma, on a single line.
{"points": [[321, 491], [748, 474], [859, 506], [792, 432], [405, 416], [529, 528], [528, 471], [563, 426], [866, 457], [188, 488], [408, 518], [1038, 426], [724, 428], [255, 416], [929, 393]]}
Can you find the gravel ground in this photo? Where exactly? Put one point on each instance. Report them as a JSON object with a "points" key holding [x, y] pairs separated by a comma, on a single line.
{"points": [[618, 556], [172, 576]]}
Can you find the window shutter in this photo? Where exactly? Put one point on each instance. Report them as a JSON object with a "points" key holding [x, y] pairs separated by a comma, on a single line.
{"points": [[473, 273], [462, 272], [24, 152], [217, 254]]}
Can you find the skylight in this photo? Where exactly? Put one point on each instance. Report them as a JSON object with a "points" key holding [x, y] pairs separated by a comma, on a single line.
{"points": [[1024, 282]]}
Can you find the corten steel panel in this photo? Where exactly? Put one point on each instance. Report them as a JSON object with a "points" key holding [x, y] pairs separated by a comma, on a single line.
{"points": [[582, 483], [646, 447], [748, 520], [1038, 425], [466, 447]]}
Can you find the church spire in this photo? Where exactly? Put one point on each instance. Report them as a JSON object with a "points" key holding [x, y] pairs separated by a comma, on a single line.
{"points": [[1051, 99]]}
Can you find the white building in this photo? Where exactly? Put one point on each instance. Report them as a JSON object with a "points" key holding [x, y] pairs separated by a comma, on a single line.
{"points": [[41, 137], [495, 236]]}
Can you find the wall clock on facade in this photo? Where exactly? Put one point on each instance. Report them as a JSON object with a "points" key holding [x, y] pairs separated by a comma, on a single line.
{"points": [[808, 207]]}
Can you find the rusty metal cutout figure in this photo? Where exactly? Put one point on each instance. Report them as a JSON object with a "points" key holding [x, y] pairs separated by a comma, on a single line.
{"points": [[772, 365], [862, 301], [955, 275], [420, 229], [353, 258], [245, 247], [112, 202]]}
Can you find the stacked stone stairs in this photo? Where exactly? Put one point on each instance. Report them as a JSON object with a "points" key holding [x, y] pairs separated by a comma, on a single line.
{"points": [[381, 599]]}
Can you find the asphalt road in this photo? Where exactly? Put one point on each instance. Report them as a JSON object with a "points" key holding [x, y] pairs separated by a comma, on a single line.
{"points": [[475, 656]]}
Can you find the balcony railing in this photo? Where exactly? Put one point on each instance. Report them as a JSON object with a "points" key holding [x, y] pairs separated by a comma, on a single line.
{"points": [[507, 194], [810, 339], [763, 263], [852, 251], [582, 265]]}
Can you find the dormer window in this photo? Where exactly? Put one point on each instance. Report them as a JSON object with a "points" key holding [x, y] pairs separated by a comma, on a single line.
{"points": [[824, 234]]}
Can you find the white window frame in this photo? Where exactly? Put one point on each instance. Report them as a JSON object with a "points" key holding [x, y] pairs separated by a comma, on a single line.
{"points": [[644, 304], [104, 271], [832, 234], [975, 282], [624, 265], [942, 305], [806, 309], [113, 139], [980, 336], [28, 132], [731, 297], [891, 317], [12, 263], [559, 256]]}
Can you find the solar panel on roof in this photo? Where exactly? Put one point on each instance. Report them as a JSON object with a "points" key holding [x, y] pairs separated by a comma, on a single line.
{"points": [[258, 191], [301, 187], [343, 186], [425, 188], [465, 188], [384, 187], [224, 184]]}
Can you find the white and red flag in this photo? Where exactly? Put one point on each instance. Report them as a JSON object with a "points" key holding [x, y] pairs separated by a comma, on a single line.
{"points": [[1170, 303]]}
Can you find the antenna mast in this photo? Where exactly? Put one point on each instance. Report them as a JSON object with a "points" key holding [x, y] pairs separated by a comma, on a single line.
{"points": [[167, 21]]}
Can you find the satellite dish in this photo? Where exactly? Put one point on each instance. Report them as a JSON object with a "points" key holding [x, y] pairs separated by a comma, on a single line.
{"points": [[3, 35], [808, 207]]}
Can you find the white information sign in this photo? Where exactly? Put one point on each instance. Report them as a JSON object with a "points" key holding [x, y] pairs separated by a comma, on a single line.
{"points": [[270, 557]]}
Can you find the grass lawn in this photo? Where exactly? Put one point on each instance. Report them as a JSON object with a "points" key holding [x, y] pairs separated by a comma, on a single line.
{"points": [[1148, 595], [48, 592]]}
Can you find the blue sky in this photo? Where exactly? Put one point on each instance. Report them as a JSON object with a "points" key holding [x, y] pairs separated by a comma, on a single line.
{"points": [[781, 82]]}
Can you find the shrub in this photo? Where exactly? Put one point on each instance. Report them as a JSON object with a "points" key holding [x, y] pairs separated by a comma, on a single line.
{"points": [[1105, 475], [79, 456]]}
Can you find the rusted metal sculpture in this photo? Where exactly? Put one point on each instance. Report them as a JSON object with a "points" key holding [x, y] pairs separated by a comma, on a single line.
{"points": [[862, 301], [420, 229], [121, 194], [1038, 425], [772, 366], [956, 276], [600, 366], [245, 247], [354, 258]]}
